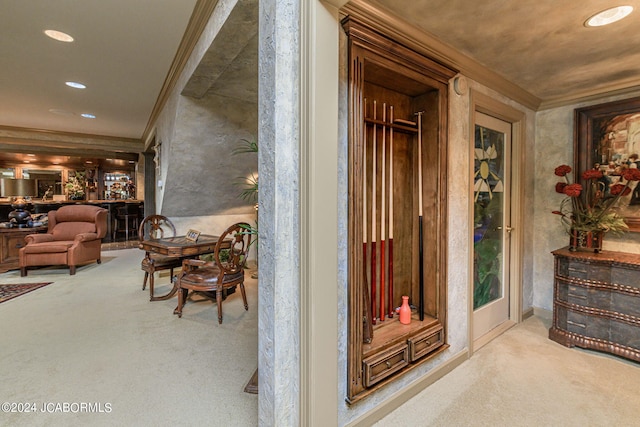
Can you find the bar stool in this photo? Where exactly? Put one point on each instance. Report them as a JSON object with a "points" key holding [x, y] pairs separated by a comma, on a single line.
{"points": [[126, 220]]}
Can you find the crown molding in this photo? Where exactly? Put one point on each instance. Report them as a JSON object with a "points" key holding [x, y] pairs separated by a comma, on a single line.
{"points": [[46, 150], [629, 87], [199, 19], [13, 136], [335, 3], [415, 38]]}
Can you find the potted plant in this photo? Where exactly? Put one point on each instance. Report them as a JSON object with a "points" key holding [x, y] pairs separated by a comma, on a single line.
{"points": [[249, 190], [589, 211]]}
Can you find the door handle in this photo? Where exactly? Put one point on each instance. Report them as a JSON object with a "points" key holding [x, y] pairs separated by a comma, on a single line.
{"points": [[506, 228]]}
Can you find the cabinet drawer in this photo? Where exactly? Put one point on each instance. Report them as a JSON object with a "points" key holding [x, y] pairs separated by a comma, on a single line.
{"points": [[588, 325], [584, 270], [572, 293], [380, 366], [425, 343], [626, 277], [577, 295]]}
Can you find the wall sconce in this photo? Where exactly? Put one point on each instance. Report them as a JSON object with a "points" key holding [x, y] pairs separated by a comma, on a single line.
{"points": [[19, 189]]}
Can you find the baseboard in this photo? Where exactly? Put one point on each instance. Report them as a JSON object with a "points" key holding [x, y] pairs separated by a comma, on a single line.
{"points": [[492, 334], [529, 312], [401, 397]]}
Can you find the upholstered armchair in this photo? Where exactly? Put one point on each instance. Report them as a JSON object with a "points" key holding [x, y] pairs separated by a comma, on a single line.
{"points": [[73, 238]]}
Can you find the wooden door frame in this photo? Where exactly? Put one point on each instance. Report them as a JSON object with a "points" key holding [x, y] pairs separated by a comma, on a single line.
{"points": [[484, 104]]}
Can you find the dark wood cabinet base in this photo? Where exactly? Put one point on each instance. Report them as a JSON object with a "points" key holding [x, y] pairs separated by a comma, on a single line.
{"points": [[596, 302], [574, 340]]}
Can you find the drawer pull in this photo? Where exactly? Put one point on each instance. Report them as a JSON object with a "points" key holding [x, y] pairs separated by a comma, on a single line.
{"points": [[388, 364], [579, 325]]}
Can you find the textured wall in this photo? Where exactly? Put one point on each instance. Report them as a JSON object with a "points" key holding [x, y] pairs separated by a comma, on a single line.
{"points": [[279, 299], [197, 136], [201, 178], [204, 176], [554, 146]]}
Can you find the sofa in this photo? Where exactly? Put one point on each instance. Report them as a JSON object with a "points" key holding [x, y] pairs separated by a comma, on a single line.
{"points": [[74, 237]]}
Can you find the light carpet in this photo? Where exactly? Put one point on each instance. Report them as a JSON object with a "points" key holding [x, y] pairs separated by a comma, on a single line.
{"points": [[524, 379], [96, 338]]}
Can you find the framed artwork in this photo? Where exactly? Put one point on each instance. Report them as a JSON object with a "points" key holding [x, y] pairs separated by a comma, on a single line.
{"points": [[192, 235], [607, 137]]}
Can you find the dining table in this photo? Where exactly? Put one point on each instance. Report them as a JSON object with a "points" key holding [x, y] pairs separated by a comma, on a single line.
{"points": [[181, 247]]}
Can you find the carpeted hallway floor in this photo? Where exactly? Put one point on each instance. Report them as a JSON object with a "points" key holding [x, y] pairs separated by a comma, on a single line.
{"points": [[524, 379]]}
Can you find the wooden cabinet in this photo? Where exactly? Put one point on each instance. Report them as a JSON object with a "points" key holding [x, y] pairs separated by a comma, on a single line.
{"points": [[11, 240], [398, 102], [596, 302]]}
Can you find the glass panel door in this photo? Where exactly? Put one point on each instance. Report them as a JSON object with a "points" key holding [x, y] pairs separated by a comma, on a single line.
{"points": [[491, 181]]}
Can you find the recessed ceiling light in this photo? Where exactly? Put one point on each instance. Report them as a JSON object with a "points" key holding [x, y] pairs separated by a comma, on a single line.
{"points": [[59, 35], [608, 16], [75, 85], [88, 115]]}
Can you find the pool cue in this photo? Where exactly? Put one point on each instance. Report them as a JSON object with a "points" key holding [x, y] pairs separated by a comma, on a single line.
{"points": [[390, 241], [420, 232], [383, 213], [368, 326], [374, 282]]}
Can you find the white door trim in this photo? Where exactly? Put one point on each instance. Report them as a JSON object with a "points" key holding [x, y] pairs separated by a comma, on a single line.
{"points": [[490, 106], [496, 311]]}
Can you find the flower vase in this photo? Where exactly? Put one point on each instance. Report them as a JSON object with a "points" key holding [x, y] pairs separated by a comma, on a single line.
{"points": [[405, 311], [580, 240]]}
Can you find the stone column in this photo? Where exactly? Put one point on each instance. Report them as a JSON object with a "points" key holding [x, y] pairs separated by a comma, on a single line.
{"points": [[279, 220]]}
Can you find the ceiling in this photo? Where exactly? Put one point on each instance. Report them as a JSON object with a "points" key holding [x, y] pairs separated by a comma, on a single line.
{"points": [[541, 46], [124, 51]]}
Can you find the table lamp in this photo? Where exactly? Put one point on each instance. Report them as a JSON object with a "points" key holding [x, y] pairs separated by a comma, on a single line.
{"points": [[18, 189]]}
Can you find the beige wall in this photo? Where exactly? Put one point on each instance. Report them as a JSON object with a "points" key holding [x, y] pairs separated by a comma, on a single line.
{"points": [[554, 146]]}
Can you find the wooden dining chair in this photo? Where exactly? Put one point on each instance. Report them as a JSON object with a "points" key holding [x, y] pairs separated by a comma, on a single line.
{"points": [[217, 278], [156, 227]]}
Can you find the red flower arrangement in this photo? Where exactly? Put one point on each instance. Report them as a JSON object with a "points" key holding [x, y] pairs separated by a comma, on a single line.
{"points": [[593, 208]]}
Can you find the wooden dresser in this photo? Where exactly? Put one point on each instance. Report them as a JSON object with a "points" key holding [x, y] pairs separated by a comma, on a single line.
{"points": [[11, 240], [596, 301]]}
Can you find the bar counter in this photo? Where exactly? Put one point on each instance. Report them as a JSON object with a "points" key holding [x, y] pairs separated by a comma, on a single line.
{"points": [[39, 206]]}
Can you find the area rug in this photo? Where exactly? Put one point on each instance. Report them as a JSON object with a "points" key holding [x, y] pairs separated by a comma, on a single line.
{"points": [[10, 291]]}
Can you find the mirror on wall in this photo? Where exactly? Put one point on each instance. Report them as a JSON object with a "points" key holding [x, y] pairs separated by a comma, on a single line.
{"points": [[49, 181]]}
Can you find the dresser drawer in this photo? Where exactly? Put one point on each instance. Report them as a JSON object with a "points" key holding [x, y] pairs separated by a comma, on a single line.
{"points": [[588, 325], [424, 343], [625, 334], [626, 304], [573, 293], [584, 270], [626, 277], [380, 366]]}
